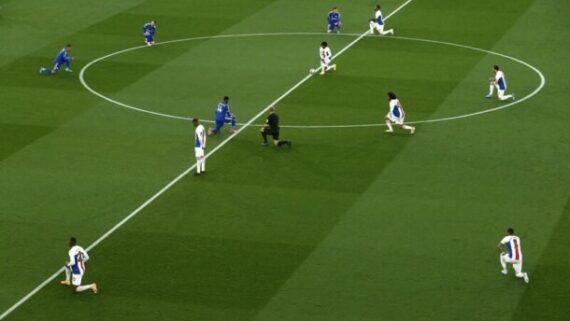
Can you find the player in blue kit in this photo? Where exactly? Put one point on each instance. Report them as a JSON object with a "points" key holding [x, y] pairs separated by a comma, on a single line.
{"points": [[63, 58], [223, 116], [333, 20], [149, 29]]}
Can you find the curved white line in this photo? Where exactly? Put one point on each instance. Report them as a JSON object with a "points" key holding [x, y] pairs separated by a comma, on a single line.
{"points": [[121, 104]]}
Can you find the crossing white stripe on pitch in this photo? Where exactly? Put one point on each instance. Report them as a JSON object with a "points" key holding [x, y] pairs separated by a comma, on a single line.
{"points": [[182, 175]]}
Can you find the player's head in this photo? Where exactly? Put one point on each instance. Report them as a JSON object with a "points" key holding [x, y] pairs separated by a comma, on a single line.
{"points": [[152, 22], [335, 9], [510, 231], [377, 7], [72, 241], [68, 47], [391, 95], [196, 122], [271, 109], [226, 99], [496, 67], [324, 44]]}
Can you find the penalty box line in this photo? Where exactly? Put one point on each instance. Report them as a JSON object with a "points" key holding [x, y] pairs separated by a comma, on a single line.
{"points": [[187, 171]]}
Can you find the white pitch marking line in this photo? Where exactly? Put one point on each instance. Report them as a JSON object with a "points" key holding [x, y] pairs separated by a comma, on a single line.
{"points": [[179, 177]]}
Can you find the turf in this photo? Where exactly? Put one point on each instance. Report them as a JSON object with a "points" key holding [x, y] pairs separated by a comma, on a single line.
{"points": [[348, 224]]}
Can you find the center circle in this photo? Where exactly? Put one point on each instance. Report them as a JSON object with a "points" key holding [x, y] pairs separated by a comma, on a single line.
{"points": [[179, 117]]}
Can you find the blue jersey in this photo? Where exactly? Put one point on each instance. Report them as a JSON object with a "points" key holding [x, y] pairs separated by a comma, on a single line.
{"points": [[149, 29], [333, 18], [62, 57], [222, 111]]}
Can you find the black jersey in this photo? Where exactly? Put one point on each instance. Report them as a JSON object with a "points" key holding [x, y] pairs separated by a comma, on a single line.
{"points": [[273, 122]]}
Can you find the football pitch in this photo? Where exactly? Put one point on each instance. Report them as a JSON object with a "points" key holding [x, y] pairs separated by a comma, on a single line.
{"points": [[348, 223]]}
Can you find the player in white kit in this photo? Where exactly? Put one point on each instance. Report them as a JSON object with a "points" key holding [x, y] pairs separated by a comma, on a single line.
{"points": [[500, 82], [325, 55], [199, 147], [513, 255], [396, 115], [75, 268], [378, 23]]}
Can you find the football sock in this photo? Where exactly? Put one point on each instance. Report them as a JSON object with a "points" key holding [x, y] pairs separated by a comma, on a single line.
{"points": [[503, 263], [407, 127], [389, 125], [198, 166], [491, 89], [45, 71], [82, 288], [67, 274], [203, 164], [506, 97]]}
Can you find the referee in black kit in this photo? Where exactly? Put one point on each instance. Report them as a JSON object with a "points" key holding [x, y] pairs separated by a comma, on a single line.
{"points": [[271, 128]]}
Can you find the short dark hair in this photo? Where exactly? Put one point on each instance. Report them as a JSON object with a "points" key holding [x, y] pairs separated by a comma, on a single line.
{"points": [[496, 67], [510, 231], [392, 95], [72, 240], [226, 98], [271, 109], [324, 44], [377, 6], [68, 45], [195, 120]]}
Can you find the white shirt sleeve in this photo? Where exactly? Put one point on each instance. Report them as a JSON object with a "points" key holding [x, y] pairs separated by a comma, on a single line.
{"points": [[71, 257], [505, 240]]}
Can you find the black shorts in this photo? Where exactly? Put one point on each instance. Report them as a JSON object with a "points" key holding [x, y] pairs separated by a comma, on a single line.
{"points": [[273, 133]]}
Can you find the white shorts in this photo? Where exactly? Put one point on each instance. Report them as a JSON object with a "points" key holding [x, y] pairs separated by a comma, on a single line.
{"points": [[199, 152], [517, 265], [76, 279], [325, 63], [375, 25], [394, 119]]}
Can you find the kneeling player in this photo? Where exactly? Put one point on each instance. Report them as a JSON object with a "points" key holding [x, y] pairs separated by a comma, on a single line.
{"points": [[271, 128], [513, 255], [223, 116], [62, 58], [378, 23], [75, 268], [396, 115], [149, 30], [333, 21], [500, 82], [326, 57]]}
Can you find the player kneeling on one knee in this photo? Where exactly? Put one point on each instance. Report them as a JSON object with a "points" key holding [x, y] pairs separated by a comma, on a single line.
{"points": [[223, 116], [396, 115], [271, 128], [75, 268]]}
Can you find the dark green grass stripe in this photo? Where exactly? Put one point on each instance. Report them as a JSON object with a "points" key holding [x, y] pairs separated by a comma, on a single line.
{"points": [[16, 137]]}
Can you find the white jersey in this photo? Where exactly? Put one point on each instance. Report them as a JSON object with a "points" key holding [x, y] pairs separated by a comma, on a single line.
{"points": [[396, 110], [325, 54], [513, 245], [500, 80], [200, 137], [77, 257], [379, 18]]}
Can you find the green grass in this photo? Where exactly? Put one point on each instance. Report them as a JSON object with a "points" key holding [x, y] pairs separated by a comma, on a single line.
{"points": [[349, 224]]}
